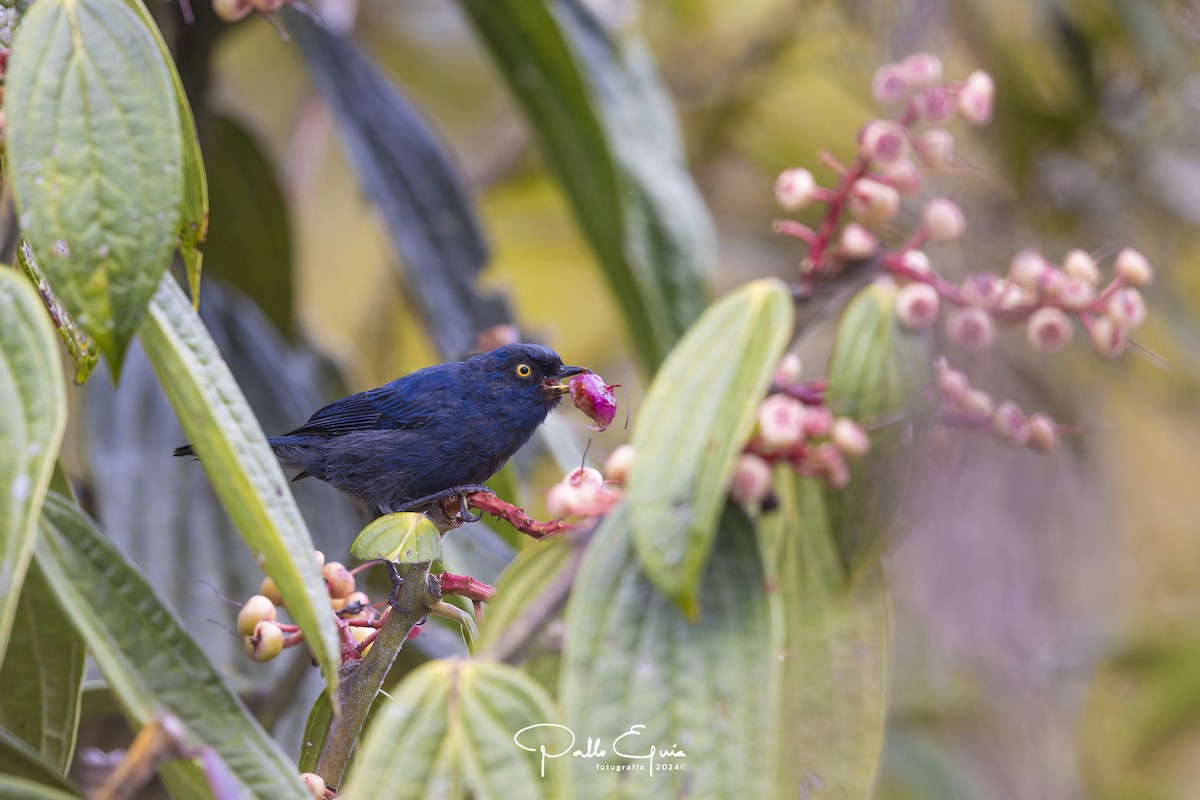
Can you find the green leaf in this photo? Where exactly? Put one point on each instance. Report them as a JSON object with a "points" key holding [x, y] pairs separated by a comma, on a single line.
{"points": [[703, 687], [403, 538], [243, 470], [81, 347], [19, 759], [521, 585], [42, 674], [879, 372], [448, 732], [316, 730], [33, 414], [694, 420], [96, 162], [834, 645], [596, 109], [14, 788], [149, 660]]}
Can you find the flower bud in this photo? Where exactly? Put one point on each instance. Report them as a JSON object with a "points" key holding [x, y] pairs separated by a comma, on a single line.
{"points": [[976, 98], [254, 611], [1051, 282], [1049, 329], [1042, 433], [1133, 267], [1013, 296], [1076, 294], [787, 371], [232, 10], [751, 480], [266, 642], [882, 141], [984, 290], [1108, 339], [873, 202], [1026, 269], [922, 70], [1127, 309], [849, 437], [817, 421], [977, 402], [917, 306], [936, 147], [795, 188], [338, 580], [1079, 264], [953, 385], [619, 463], [269, 590], [1009, 423], [890, 84], [315, 784], [935, 105], [857, 242], [943, 220], [780, 422], [319, 557], [971, 328], [903, 176], [917, 261]]}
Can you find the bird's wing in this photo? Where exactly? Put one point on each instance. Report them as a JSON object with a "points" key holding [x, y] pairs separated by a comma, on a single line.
{"points": [[387, 407]]}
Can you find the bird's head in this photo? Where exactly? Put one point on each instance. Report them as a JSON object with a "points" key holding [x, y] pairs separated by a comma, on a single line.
{"points": [[529, 372]]}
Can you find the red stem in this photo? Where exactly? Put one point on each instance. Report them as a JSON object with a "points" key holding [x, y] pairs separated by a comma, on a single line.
{"points": [[488, 502]]}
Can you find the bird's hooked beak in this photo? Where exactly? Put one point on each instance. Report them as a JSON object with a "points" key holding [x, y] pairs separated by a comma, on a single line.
{"points": [[558, 388]]}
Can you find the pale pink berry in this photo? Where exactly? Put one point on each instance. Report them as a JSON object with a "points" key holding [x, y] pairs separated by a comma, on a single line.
{"points": [[917, 306], [817, 421], [581, 492], [917, 261], [971, 328], [954, 385], [1026, 269], [314, 783], [1133, 267], [232, 10], [1076, 294], [922, 70], [1051, 283], [890, 85], [936, 147], [1009, 423], [831, 465], [265, 642], [1108, 339], [788, 370], [943, 220], [254, 611], [977, 402], [1013, 296], [873, 202], [1080, 265], [795, 188], [1049, 329], [780, 422], [1127, 309], [849, 437], [584, 476], [935, 105], [882, 141], [1042, 433], [857, 242], [751, 480], [903, 175], [619, 463], [983, 289], [976, 98]]}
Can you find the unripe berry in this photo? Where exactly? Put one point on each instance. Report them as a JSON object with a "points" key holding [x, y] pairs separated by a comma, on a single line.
{"points": [[935, 105], [984, 289], [977, 402], [315, 784], [922, 70], [232, 10], [1042, 433], [265, 642], [849, 437], [917, 261], [1076, 294], [1026, 269], [619, 462], [953, 385], [1049, 329], [359, 633], [1108, 339], [817, 421], [780, 422], [971, 328], [269, 590], [943, 220], [1080, 264], [361, 602], [584, 476], [976, 98], [903, 175], [882, 141], [832, 465], [751, 480], [254, 611], [1010, 423], [1051, 282], [788, 370], [1127, 309], [319, 557], [873, 202], [795, 188], [890, 85], [338, 580], [936, 147], [917, 306], [856, 242], [1133, 267]]}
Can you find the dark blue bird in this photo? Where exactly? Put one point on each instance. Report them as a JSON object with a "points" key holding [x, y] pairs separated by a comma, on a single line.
{"points": [[430, 432]]}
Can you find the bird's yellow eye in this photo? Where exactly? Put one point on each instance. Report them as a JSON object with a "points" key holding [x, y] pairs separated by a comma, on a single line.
{"points": [[524, 370]]}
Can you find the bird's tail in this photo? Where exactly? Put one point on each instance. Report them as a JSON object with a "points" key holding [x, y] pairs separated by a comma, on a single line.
{"points": [[274, 441], [186, 450]]}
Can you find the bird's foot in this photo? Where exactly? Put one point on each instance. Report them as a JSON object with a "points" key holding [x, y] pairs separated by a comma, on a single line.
{"points": [[459, 492], [397, 583]]}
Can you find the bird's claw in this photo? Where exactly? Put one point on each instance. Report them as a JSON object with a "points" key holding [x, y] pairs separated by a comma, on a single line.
{"points": [[461, 492], [397, 583], [464, 513]]}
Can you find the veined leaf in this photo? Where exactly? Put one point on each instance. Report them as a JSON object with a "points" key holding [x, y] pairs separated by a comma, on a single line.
{"points": [[150, 662], [33, 414], [448, 732], [81, 347], [241, 466], [316, 731], [405, 538], [14, 788], [696, 416], [522, 583], [96, 162], [17, 758], [702, 687]]}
